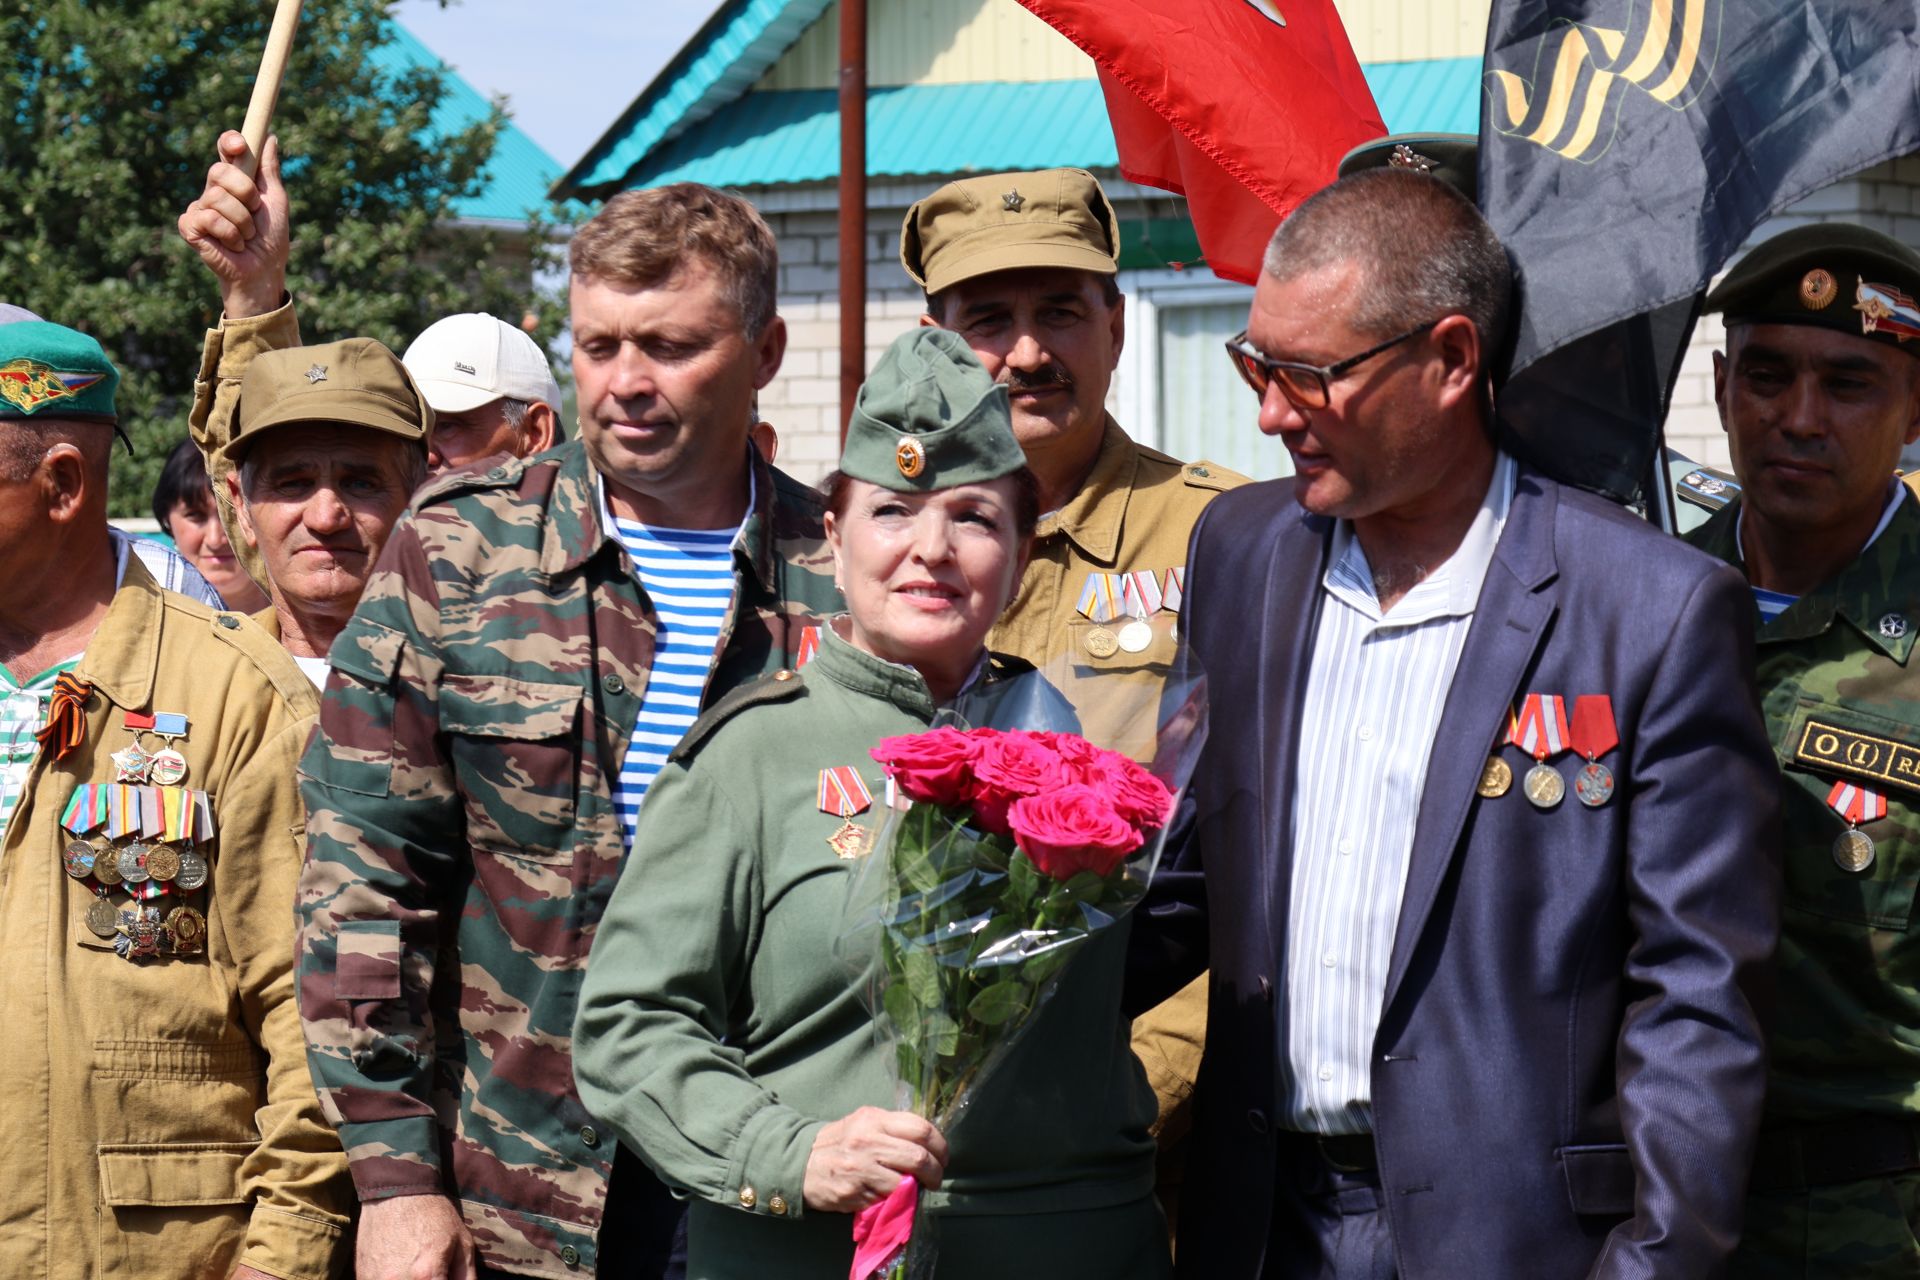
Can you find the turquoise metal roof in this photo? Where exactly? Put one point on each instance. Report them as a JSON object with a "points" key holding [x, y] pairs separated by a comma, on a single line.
{"points": [[519, 173], [777, 137], [722, 61]]}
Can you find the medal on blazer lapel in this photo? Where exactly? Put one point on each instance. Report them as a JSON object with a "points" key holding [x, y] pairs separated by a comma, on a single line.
{"points": [[1594, 734], [1540, 730], [1853, 848], [844, 795]]}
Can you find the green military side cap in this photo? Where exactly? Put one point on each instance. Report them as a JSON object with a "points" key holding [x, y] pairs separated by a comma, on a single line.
{"points": [[356, 382], [50, 371], [1454, 158], [930, 417], [1007, 221], [1832, 275]]}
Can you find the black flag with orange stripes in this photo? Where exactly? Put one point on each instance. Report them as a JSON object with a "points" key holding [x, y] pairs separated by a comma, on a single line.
{"points": [[1627, 149]]}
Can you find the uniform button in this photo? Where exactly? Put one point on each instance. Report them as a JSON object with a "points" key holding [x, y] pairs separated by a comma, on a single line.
{"points": [[498, 473], [1257, 1121], [1327, 960], [747, 1198], [569, 1255], [1202, 472], [1346, 846], [1366, 733], [230, 622], [1326, 1073], [783, 675], [776, 1204], [589, 1135], [613, 683]]}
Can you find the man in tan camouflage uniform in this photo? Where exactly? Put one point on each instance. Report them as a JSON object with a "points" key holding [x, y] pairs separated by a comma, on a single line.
{"points": [[464, 792], [1819, 388], [1022, 266]]}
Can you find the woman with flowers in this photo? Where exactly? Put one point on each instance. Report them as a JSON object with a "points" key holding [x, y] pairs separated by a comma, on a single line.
{"points": [[718, 1034]]}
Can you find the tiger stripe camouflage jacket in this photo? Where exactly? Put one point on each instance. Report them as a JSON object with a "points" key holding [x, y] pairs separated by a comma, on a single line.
{"points": [[463, 839]]}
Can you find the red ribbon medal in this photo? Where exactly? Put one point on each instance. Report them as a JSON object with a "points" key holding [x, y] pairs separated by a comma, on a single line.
{"points": [[1540, 730], [843, 794], [1853, 849], [1594, 734]]}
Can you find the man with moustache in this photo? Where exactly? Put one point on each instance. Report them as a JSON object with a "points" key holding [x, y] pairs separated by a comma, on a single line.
{"points": [[1819, 389], [1023, 266], [1486, 989], [534, 642]]}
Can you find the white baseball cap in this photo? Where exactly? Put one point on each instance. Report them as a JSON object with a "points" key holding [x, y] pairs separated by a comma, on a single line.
{"points": [[464, 361]]}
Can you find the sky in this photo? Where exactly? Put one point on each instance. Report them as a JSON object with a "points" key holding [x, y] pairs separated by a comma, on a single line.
{"points": [[566, 67]]}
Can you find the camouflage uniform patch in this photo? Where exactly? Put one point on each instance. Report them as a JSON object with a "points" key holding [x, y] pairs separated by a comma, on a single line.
{"points": [[463, 838]]}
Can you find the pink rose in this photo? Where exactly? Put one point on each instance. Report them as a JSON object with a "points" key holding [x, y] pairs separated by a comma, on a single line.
{"points": [[935, 767], [1075, 751], [1135, 794], [1007, 767], [1071, 829]]}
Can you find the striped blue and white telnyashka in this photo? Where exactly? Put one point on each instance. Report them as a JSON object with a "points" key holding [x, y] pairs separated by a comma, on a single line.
{"points": [[688, 576], [1375, 689]]}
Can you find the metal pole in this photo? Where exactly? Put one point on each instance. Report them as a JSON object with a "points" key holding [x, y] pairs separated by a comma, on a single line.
{"points": [[853, 205]]}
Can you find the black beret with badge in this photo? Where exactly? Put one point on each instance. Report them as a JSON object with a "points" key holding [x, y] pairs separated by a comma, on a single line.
{"points": [[1831, 275]]}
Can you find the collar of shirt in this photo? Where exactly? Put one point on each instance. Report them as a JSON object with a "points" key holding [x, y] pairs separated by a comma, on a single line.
{"points": [[1879, 584], [852, 667], [740, 530], [1093, 517], [1451, 590], [1894, 500]]}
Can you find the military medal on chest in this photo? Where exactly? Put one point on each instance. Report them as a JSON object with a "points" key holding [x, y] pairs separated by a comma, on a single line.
{"points": [[1853, 849], [844, 795], [1123, 605], [1593, 734], [1540, 730], [139, 843]]}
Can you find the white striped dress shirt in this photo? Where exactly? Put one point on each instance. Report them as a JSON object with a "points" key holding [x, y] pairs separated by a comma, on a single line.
{"points": [[1375, 689]]}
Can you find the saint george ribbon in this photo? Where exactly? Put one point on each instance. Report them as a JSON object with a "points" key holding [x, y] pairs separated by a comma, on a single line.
{"points": [[1554, 110], [66, 715]]}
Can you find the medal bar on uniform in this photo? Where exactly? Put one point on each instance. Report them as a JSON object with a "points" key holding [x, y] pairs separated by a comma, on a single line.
{"points": [[843, 793], [1853, 849]]}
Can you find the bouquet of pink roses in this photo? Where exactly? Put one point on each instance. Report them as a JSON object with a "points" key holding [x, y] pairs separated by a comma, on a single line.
{"points": [[1015, 850]]}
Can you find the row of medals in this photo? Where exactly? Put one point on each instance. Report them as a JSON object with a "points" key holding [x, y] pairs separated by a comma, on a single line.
{"points": [[1135, 637], [141, 929], [1544, 786]]}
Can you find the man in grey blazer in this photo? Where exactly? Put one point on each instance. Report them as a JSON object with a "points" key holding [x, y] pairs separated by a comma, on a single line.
{"points": [[1483, 847]]}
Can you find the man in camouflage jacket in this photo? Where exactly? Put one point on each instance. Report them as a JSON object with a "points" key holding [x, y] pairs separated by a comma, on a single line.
{"points": [[463, 829], [1819, 388]]}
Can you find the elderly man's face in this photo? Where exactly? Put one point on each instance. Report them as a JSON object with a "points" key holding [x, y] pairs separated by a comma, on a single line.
{"points": [[319, 502], [1050, 335], [1377, 445]]}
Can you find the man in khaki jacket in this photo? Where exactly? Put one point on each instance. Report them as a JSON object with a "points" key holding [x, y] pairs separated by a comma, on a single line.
{"points": [[1023, 266], [159, 1121]]}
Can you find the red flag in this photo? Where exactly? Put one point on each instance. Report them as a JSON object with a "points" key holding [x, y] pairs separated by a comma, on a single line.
{"points": [[1243, 106]]}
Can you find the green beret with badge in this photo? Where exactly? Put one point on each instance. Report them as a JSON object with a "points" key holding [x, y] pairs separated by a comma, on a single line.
{"points": [[50, 371], [930, 417], [1007, 222], [356, 382], [1454, 158], [1831, 275]]}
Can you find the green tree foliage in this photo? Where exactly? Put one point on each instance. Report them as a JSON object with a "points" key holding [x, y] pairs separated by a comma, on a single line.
{"points": [[108, 114]]}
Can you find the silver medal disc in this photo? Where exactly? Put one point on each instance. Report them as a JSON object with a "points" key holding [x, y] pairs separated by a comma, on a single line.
{"points": [[193, 871], [133, 863], [1136, 636], [1593, 785], [1544, 786], [1853, 850]]}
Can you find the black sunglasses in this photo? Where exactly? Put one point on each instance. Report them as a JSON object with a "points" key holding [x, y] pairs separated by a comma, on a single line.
{"points": [[1304, 385]]}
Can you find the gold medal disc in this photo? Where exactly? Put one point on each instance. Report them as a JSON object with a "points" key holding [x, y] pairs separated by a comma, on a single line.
{"points": [[187, 929], [106, 867], [1102, 643], [1853, 850], [848, 841], [163, 862], [1544, 786], [1496, 779]]}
